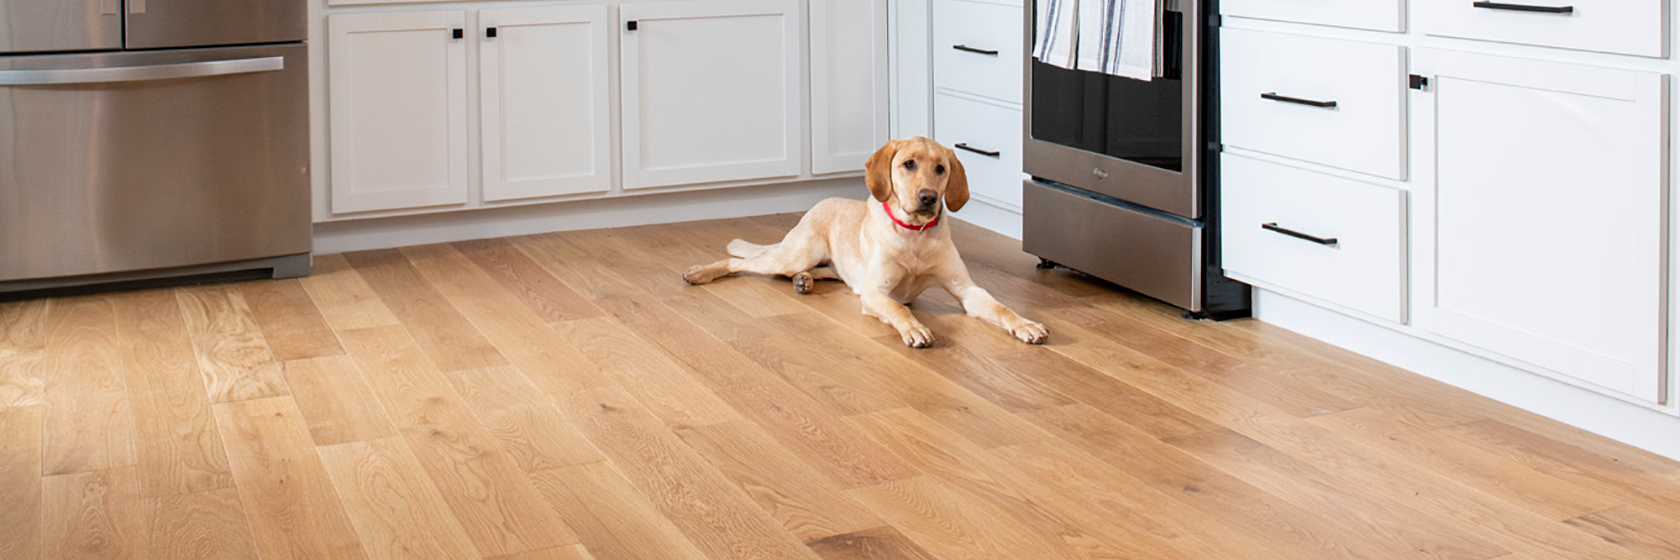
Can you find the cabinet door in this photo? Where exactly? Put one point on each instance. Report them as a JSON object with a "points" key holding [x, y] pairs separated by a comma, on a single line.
{"points": [[1541, 215], [710, 91], [848, 83], [397, 101], [543, 101]]}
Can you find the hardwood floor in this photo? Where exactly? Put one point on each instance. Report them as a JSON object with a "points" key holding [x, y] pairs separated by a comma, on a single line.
{"points": [[566, 396]]}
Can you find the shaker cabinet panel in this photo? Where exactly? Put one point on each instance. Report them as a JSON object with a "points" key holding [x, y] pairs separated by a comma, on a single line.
{"points": [[543, 94], [397, 105], [848, 83], [710, 91], [1540, 215]]}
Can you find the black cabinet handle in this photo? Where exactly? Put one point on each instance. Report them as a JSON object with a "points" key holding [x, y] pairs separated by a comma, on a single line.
{"points": [[458, 33], [966, 48], [987, 153], [1524, 7], [1325, 241], [490, 32], [630, 25], [1298, 101]]}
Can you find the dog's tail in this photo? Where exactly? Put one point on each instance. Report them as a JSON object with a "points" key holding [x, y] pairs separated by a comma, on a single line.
{"points": [[741, 249]]}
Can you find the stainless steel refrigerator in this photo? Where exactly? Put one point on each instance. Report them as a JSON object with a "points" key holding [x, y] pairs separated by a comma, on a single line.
{"points": [[144, 139]]}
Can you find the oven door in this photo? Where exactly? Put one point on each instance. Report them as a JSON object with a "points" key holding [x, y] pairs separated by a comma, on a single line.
{"points": [[60, 25], [161, 24], [1140, 142], [133, 161]]}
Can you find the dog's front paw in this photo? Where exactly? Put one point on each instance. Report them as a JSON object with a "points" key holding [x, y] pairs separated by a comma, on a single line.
{"points": [[1031, 333], [917, 337], [696, 275]]}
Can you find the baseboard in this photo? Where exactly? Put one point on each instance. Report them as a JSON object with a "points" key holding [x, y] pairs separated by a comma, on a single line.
{"points": [[992, 217], [384, 233], [1651, 430]]}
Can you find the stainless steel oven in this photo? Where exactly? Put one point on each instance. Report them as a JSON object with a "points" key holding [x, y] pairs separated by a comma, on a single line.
{"points": [[1122, 171], [152, 138]]}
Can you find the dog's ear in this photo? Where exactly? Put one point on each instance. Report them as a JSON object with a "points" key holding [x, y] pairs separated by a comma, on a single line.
{"points": [[877, 174], [956, 188]]}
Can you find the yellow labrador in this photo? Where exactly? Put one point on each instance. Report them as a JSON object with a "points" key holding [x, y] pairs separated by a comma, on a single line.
{"points": [[889, 251]]}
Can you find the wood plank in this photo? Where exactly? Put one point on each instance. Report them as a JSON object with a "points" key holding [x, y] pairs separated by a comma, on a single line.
{"points": [[452, 342], [563, 256], [1469, 464], [177, 445], [94, 514], [805, 502], [531, 429], [345, 300], [833, 447], [289, 498], [393, 505], [209, 524], [515, 331], [574, 552], [1635, 529], [335, 401], [705, 506], [1605, 474], [877, 543], [23, 342], [291, 324], [1400, 530], [233, 357], [20, 482], [489, 495], [86, 421], [950, 524], [611, 516], [551, 299], [825, 374], [638, 367]]}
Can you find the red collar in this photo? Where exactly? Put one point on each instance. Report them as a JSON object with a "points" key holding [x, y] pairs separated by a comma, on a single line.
{"points": [[890, 216]]}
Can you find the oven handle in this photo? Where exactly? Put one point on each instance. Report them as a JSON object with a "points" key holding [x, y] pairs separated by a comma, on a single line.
{"points": [[141, 73]]}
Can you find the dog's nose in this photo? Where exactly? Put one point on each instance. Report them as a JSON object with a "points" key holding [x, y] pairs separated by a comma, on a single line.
{"points": [[927, 197]]}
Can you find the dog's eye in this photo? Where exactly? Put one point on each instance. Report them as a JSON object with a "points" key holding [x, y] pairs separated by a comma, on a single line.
{"points": [[910, 164], [939, 170]]}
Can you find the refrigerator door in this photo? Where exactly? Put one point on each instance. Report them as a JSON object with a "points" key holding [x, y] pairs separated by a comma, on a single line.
{"points": [[129, 161], [161, 24], [60, 25]]}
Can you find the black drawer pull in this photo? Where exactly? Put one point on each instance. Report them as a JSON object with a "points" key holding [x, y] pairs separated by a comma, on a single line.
{"points": [[1298, 101], [987, 153], [1325, 241], [1524, 7], [966, 48], [490, 32], [458, 33]]}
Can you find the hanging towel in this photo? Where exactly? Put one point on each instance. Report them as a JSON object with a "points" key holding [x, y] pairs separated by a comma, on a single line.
{"points": [[1119, 37]]}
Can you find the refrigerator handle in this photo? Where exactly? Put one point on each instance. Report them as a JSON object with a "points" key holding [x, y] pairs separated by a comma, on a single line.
{"points": [[110, 7], [140, 73], [134, 6]]}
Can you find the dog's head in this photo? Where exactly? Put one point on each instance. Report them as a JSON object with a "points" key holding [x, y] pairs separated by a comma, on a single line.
{"points": [[914, 174]]}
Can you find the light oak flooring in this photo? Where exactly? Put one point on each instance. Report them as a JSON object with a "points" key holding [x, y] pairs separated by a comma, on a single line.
{"points": [[566, 396]]}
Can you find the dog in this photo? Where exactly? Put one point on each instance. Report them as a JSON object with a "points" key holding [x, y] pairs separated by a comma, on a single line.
{"points": [[888, 251]]}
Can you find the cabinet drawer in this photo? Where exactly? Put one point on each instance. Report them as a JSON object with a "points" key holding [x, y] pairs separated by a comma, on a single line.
{"points": [[977, 48], [1329, 238], [1612, 26], [1381, 15], [1331, 102], [984, 127]]}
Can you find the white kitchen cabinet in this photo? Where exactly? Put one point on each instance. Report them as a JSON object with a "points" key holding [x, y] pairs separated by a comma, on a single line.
{"points": [[710, 91], [543, 101], [397, 105], [848, 83], [1540, 215]]}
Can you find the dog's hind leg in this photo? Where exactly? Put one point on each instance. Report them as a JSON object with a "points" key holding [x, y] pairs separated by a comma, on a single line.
{"points": [[795, 254], [743, 249], [806, 281]]}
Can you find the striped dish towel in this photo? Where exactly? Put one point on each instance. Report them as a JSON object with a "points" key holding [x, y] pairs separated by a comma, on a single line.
{"points": [[1119, 37]]}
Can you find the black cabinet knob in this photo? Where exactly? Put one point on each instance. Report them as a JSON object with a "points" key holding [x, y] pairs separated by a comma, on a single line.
{"points": [[490, 32], [458, 33]]}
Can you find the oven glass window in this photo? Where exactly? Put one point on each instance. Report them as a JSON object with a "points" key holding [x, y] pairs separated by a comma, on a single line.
{"points": [[1128, 119]]}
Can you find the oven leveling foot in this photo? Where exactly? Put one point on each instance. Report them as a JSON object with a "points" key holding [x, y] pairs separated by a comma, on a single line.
{"points": [[1046, 264]]}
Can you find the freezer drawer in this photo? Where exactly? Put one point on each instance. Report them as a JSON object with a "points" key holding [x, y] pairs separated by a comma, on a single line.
{"points": [[28, 26], [1155, 254], [134, 161], [160, 24]]}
